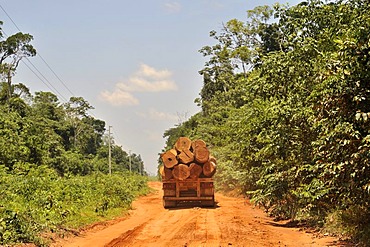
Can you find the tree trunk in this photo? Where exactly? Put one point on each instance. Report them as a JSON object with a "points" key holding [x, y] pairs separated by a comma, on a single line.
{"points": [[169, 158], [161, 171], [209, 168], [213, 159], [195, 170], [187, 159], [201, 154], [185, 156], [181, 172], [167, 173], [198, 143], [183, 143]]}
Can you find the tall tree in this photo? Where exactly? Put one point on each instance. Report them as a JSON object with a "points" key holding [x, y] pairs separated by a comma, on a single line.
{"points": [[76, 110], [293, 128], [12, 50]]}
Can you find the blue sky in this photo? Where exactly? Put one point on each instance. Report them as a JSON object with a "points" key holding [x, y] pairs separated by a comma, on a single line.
{"points": [[136, 62]]}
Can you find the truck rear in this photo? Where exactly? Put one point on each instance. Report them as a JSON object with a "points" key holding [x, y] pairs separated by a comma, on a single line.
{"points": [[199, 191], [187, 174]]}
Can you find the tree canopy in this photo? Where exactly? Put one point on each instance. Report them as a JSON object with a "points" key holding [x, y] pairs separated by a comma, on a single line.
{"points": [[41, 130], [54, 159], [286, 110]]}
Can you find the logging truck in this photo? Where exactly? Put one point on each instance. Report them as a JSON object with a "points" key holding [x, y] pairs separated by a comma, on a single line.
{"points": [[187, 174]]}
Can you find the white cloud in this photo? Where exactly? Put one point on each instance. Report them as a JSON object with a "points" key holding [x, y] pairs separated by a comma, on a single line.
{"points": [[156, 115], [148, 71], [173, 7], [118, 97], [146, 79]]}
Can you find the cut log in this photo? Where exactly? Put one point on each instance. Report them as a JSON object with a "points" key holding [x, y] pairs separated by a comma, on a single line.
{"points": [[169, 158], [173, 151], [195, 170], [198, 143], [185, 156], [167, 173], [213, 159], [183, 143], [209, 168], [181, 172], [201, 154], [161, 171]]}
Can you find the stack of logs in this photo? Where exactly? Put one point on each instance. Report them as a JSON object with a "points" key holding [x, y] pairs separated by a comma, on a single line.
{"points": [[188, 159]]}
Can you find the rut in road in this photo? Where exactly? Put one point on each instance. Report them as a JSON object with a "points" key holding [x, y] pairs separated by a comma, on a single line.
{"points": [[231, 223], [177, 227]]}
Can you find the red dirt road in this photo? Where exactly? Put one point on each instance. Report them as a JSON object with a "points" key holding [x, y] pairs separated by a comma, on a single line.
{"points": [[232, 223]]}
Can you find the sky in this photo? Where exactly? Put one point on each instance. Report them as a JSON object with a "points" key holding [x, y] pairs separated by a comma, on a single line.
{"points": [[136, 62]]}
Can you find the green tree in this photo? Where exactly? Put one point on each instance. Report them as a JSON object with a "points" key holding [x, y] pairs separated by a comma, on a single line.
{"points": [[85, 132], [12, 50], [285, 109]]}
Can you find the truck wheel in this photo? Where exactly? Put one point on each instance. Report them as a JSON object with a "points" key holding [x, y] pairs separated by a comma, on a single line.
{"points": [[169, 204]]}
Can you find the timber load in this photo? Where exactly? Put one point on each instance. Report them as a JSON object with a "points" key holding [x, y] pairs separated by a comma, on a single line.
{"points": [[187, 159]]}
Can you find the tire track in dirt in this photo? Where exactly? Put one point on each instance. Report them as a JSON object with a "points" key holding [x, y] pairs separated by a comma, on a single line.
{"points": [[207, 231], [126, 237], [233, 222]]}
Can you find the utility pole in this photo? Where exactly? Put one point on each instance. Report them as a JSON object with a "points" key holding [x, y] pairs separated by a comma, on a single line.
{"points": [[9, 82], [109, 152], [129, 158]]}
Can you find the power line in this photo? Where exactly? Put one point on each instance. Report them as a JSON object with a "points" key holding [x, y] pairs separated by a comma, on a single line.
{"points": [[56, 75], [9, 17], [118, 140], [49, 67], [47, 83]]}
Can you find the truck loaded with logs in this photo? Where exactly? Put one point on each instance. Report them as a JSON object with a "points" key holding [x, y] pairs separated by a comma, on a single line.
{"points": [[187, 174]]}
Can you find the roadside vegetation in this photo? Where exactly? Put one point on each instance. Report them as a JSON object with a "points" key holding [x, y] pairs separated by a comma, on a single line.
{"points": [[285, 108], [38, 205], [54, 160]]}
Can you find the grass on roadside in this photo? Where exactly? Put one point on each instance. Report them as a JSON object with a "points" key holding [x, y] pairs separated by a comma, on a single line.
{"points": [[37, 202]]}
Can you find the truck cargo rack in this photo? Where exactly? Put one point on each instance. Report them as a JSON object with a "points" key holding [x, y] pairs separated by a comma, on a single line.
{"points": [[200, 191]]}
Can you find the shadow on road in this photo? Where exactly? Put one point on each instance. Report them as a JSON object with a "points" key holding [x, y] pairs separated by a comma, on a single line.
{"points": [[287, 224], [303, 226], [187, 205]]}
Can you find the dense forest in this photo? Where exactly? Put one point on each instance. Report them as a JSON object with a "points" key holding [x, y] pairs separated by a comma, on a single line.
{"points": [[54, 159], [285, 108]]}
